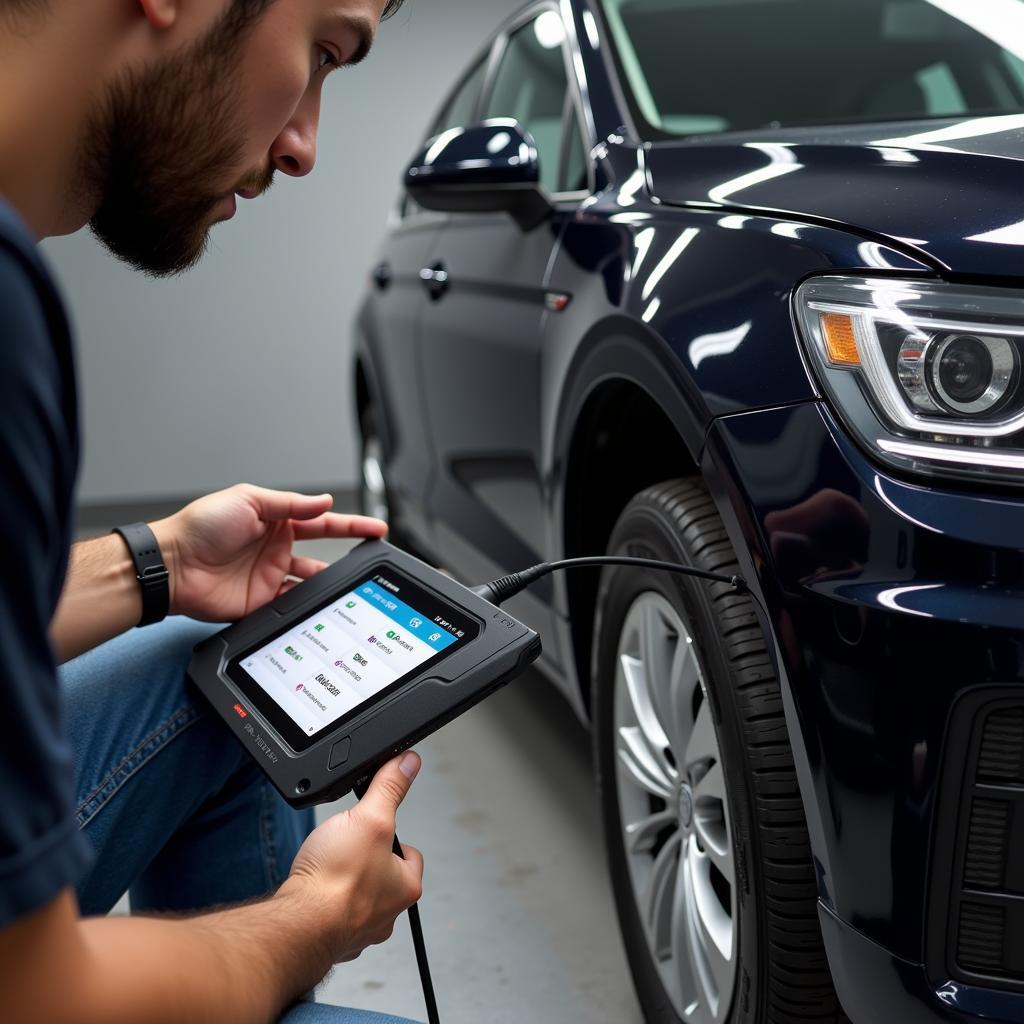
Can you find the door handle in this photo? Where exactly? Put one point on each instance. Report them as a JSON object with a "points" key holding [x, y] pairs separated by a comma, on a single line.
{"points": [[381, 275], [435, 280]]}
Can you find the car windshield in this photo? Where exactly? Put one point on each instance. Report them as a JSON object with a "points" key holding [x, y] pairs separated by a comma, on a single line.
{"points": [[700, 66]]}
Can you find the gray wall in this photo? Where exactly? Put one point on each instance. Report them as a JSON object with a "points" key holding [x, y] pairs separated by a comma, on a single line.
{"points": [[240, 369]]}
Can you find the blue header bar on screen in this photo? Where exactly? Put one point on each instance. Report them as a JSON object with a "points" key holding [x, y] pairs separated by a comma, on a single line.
{"points": [[408, 620]]}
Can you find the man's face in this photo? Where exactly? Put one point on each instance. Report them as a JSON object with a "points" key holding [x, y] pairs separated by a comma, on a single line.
{"points": [[176, 140]]}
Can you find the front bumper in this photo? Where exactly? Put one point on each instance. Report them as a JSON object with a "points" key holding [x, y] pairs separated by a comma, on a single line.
{"points": [[897, 610], [876, 987]]}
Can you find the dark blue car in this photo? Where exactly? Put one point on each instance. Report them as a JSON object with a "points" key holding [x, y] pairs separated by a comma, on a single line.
{"points": [[740, 283]]}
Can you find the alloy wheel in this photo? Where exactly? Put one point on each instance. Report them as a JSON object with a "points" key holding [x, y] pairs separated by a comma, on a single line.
{"points": [[374, 498], [674, 811]]}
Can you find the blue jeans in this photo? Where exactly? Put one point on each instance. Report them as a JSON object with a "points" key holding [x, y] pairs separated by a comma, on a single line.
{"points": [[178, 814]]}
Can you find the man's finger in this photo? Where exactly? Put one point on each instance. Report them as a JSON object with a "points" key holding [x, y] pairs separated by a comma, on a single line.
{"points": [[276, 505], [391, 784], [335, 525], [413, 858]]}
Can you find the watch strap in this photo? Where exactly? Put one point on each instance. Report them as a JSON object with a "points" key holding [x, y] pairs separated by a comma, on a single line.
{"points": [[152, 574]]}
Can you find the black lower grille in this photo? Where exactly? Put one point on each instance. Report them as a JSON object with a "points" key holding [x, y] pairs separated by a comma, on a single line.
{"points": [[1001, 758], [981, 937], [987, 840], [977, 924]]}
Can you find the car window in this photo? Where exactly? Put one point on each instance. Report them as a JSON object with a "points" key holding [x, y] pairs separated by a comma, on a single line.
{"points": [[574, 172], [1015, 66], [460, 110], [530, 86], [699, 66]]}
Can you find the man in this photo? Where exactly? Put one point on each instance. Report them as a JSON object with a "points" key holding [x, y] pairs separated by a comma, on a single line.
{"points": [[146, 118]]}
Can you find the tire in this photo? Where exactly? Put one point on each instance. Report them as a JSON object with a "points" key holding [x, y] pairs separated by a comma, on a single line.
{"points": [[374, 497], [717, 895]]}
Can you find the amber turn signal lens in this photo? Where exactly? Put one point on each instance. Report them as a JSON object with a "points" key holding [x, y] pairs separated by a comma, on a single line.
{"points": [[840, 344]]}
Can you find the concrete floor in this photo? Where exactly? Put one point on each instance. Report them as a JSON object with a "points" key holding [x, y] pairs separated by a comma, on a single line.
{"points": [[517, 909]]}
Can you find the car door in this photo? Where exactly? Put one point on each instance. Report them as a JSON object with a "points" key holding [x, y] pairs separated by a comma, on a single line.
{"points": [[391, 325], [482, 329]]}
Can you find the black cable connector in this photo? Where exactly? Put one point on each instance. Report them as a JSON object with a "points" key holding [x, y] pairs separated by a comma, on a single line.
{"points": [[501, 589]]}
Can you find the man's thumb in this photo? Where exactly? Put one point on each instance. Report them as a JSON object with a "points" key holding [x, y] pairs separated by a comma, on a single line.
{"points": [[393, 780]]}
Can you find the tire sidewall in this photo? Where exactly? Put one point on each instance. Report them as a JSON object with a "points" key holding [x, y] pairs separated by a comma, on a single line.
{"points": [[644, 532], [368, 429]]}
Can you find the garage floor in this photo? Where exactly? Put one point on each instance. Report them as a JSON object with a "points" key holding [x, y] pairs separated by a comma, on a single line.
{"points": [[517, 910]]}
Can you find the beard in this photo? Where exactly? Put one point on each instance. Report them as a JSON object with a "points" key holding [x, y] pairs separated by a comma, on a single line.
{"points": [[161, 151]]}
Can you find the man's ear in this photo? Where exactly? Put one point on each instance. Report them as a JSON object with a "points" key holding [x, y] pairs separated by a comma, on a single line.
{"points": [[161, 14]]}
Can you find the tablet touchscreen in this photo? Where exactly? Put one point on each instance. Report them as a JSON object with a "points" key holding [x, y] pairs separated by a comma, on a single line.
{"points": [[348, 653]]}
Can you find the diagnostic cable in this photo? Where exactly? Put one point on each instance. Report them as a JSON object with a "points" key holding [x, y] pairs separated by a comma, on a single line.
{"points": [[504, 587]]}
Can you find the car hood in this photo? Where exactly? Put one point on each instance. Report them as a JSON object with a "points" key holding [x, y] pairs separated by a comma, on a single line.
{"points": [[950, 192]]}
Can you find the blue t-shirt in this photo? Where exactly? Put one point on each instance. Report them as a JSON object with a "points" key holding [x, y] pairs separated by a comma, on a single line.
{"points": [[41, 848]]}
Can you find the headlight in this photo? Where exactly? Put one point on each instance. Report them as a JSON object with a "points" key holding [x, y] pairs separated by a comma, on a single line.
{"points": [[927, 375]]}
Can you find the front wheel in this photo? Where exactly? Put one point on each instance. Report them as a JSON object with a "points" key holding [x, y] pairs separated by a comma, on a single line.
{"points": [[704, 827], [373, 490]]}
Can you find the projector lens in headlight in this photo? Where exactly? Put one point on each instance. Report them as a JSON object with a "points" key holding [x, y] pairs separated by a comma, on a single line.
{"points": [[972, 375], [928, 375]]}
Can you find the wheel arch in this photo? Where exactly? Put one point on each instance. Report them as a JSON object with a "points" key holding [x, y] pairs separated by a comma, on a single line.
{"points": [[362, 387], [628, 422], [367, 392]]}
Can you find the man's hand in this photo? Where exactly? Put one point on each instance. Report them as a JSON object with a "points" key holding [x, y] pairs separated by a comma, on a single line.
{"points": [[231, 552], [232, 966], [227, 553], [348, 877]]}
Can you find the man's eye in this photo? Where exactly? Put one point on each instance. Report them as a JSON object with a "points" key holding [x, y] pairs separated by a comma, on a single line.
{"points": [[326, 60]]}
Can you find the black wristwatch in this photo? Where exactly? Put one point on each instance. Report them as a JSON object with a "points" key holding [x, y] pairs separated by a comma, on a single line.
{"points": [[154, 579]]}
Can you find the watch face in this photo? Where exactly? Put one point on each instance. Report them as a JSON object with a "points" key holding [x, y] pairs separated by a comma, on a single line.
{"points": [[359, 646]]}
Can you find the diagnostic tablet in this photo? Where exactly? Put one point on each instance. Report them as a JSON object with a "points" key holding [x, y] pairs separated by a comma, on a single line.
{"points": [[327, 682]]}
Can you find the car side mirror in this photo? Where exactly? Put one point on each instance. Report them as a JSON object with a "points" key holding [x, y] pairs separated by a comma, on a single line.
{"points": [[484, 168]]}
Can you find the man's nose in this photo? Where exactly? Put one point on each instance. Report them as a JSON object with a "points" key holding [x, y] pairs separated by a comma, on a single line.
{"points": [[294, 150]]}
